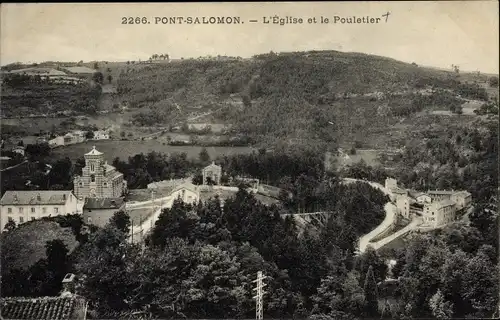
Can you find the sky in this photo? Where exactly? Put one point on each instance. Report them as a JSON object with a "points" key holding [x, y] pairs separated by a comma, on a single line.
{"points": [[437, 34]]}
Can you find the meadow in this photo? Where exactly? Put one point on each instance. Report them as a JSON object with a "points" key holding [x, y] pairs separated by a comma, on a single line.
{"points": [[125, 149]]}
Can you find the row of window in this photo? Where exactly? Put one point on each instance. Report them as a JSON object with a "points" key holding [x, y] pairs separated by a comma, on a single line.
{"points": [[21, 219], [33, 210]]}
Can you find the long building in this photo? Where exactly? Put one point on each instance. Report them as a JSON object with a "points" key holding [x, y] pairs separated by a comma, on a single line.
{"points": [[22, 206]]}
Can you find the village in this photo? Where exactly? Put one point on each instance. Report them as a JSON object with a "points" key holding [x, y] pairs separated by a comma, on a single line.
{"points": [[101, 191]]}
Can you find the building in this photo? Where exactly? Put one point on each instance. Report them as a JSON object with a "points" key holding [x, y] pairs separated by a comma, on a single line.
{"points": [[64, 307], [188, 193], [101, 135], [439, 213], [98, 211], [437, 195], [22, 206], [462, 199], [69, 139], [403, 205], [19, 150], [99, 179], [56, 142], [212, 173]]}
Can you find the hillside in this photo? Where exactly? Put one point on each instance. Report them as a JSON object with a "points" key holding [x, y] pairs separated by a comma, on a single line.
{"points": [[316, 98], [325, 96]]}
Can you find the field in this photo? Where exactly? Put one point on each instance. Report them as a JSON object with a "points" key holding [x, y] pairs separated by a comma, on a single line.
{"points": [[125, 149], [26, 245]]}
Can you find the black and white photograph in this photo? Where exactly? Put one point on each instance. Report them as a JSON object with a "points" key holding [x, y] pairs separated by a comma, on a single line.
{"points": [[249, 160]]}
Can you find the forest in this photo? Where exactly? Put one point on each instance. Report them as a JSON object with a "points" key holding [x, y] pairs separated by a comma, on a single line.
{"points": [[25, 95]]}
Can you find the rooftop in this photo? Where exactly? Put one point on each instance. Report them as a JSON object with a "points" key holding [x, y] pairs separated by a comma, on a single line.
{"points": [[50, 308], [443, 203], [212, 166], [94, 152], [35, 197], [103, 203]]}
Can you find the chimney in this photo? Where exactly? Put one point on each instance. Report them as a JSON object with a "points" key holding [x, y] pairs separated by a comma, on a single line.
{"points": [[68, 284]]}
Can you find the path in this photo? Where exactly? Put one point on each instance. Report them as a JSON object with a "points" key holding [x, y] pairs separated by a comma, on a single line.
{"points": [[390, 215], [14, 166], [412, 226]]}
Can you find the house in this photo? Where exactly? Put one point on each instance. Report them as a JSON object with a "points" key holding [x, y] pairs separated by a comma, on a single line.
{"points": [[79, 136], [19, 149], [403, 205], [439, 213], [212, 173], [99, 179], [68, 305], [69, 139], [56, 142], [101, 135], [21, 206], [188, 193], [98, 211], [462, 199]]}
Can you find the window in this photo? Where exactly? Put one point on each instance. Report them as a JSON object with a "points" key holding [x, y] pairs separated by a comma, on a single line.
{"points": [[56, 210], [9, 210], [80, 184], [21, 219], [92, 178], [32, 210], [44, 210], [92, 167], [32, 218], [105, 184], [70, 198], [21, 210]]}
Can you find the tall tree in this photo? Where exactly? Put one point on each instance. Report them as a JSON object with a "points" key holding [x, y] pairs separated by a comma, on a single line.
{"points": [[121, 221], [371, 294]]}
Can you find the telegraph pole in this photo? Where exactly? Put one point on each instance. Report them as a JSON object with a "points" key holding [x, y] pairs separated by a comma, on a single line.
{"points": [[259, 310]]}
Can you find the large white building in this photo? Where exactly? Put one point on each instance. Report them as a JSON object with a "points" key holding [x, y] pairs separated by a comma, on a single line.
{"points": [[22, 206], [436, 207]]}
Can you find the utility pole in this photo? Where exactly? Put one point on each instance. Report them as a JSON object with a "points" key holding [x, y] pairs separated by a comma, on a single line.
{"points": [[259, 310]]}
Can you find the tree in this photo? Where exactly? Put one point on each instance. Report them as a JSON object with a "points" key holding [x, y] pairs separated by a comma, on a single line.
{"points": [[371, 294], [10, 225], [198, 179], [89, 135], [493, 81], [204, 156], [96, 66], [121, 221], [110, 78], [441, 308], [98, 77], [57, 265]]}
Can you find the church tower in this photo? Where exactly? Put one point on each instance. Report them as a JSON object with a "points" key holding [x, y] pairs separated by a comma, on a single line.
{"points": [[98, 179], [94, 170]]}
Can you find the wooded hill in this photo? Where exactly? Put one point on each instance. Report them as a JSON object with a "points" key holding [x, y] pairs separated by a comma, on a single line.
{"points": [[306, 96]]}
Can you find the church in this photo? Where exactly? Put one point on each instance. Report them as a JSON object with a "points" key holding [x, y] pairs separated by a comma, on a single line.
{"points": [[98, 179]]}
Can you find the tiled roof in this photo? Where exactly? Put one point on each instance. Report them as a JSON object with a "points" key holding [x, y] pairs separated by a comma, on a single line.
{"points": [[444, 192], [31, 197], [187, 186], [103, 203], [50, 308], [462, 193]]}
